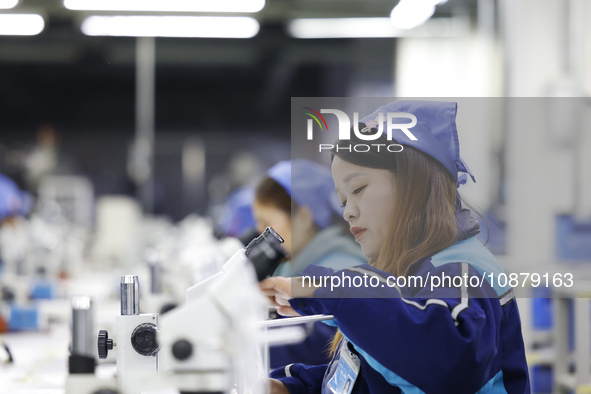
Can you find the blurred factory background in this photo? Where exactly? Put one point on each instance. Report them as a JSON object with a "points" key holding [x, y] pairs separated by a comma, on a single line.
{"points": [[104, 121], [78, 92]]}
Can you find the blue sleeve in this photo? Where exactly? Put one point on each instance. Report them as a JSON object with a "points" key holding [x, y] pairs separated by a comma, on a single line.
{"points": [[453, 333], [313, 350], [300, 378]]}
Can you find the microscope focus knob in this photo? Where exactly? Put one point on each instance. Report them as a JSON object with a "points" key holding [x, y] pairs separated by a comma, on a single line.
{"points": [[143, 339], [104, 344], [182, 349]]}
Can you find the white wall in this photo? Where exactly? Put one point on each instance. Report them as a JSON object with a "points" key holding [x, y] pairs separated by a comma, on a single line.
{"points": [[454, 68], [547, 55]]}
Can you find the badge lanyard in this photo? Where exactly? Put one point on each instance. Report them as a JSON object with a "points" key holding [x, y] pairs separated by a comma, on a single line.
{"points": [[344, 378]]}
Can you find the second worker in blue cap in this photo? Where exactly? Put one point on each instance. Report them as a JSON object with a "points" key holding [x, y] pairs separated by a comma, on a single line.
{"points": [[297, 198]]}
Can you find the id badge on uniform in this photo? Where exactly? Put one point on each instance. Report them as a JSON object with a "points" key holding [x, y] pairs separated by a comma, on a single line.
{"points": [[343, 380]]}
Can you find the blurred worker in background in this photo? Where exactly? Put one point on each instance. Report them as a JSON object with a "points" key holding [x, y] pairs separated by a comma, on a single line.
{"points": [[43, 159], [298, 200], [237, 217], [407, 215], [14, 203]]}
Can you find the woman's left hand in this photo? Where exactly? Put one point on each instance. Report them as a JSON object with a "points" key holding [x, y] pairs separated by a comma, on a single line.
{"points": [[278, 290]]}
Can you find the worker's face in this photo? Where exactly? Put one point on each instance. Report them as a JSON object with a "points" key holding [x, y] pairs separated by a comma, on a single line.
{"points": [[367, 195], [268, 215]]}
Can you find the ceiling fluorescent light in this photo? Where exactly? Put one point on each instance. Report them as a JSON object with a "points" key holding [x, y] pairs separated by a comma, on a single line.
{"points": [[167, 5], [342, 28], [408, 14], [171, 26], [21, 24], [6, 4], [375, 28]]}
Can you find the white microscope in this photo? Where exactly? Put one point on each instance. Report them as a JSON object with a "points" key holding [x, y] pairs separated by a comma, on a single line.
{"points": [[137, 346], [82, 361], [214, 343]]}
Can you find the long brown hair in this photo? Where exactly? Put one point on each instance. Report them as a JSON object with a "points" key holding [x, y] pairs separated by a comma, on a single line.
{"points": [[425, 204], [268, 191]]}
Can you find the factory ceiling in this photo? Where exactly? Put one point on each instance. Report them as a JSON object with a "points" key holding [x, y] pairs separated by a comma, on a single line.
{"points": [[78, 82], [62, 41]]}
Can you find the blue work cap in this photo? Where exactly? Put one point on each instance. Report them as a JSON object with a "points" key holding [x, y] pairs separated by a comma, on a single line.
{"points": [[435, 131], [309, 184], [237, 216], [13, 201]]}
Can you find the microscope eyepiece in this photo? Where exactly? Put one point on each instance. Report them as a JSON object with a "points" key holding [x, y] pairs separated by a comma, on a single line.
{"points": [[265, 252], [130, 295]]}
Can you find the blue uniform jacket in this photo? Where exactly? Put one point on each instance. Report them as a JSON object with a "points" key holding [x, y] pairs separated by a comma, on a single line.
{"points": [[422, 339], [331, 249]]}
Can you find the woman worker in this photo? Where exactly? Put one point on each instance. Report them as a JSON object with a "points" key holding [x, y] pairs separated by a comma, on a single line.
{"points": [[309, 222], [406, 214]]}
